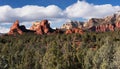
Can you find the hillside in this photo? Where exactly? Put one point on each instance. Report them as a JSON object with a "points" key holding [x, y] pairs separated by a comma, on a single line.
{"points": [[60, 51]]}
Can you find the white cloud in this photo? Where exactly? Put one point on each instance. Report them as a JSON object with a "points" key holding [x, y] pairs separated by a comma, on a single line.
{"points": [[80, 9], [27, 24], [29, 13], [4, 29], [57, 23], [86, 10]]}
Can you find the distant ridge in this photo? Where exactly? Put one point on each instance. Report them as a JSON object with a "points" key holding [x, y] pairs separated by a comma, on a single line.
{"points": [[108, 23]]}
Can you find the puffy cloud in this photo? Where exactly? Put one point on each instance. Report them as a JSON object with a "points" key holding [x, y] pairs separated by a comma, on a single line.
{"points": [[3, 29], [85, 10], [29, 13], [80, 9]]}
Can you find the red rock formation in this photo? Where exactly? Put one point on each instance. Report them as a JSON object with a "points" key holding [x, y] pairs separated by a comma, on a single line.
{"points": [[81, 31], [39, 30], [111, 27], [69, 31], [74, 30], [117, 25], [109, 23], [35, 26], [15, 28], [45, 26], [42, 27], [105, 27]]}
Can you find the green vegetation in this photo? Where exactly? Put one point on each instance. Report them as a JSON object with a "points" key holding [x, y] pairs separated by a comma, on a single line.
{"points": [[59, 51]]}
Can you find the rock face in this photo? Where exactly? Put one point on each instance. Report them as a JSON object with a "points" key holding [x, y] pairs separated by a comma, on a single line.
{"points": [[42, 27], [69, 31], [15, 28], [109, 23], [117, 25], [104, 28], [72, 24], [35, 26], [74, 30], [93, 22]]}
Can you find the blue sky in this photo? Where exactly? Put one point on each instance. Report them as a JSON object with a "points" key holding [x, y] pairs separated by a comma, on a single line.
{"points": [[19, 3], [61, 3], [56, 11]]}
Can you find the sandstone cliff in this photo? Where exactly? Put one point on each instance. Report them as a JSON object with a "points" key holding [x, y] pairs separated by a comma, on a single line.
{"points": [[15, 28], [42, 27], [109, 23], [72, 24], [74, 30]]}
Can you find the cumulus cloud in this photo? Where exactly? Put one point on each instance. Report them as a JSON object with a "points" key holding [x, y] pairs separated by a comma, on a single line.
{"points": [[3, 29], [80, 9], [86, 10], [29, 13]]}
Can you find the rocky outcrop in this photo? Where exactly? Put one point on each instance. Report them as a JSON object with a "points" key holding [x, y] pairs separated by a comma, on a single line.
{"points": [[15, 28], [74, 30], [18, 29], [35, 26], [72, 24], [109, 23], [93, 22], [103, 21], [42, 27], [69, 31], [117, 25], [104, 28]]}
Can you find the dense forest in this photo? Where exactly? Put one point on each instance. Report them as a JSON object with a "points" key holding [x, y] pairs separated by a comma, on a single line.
{"points": [[60, 51]]}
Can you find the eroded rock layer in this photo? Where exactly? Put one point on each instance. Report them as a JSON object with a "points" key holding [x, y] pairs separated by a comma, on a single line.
{"points": [[42, 27], [15, 28]]}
